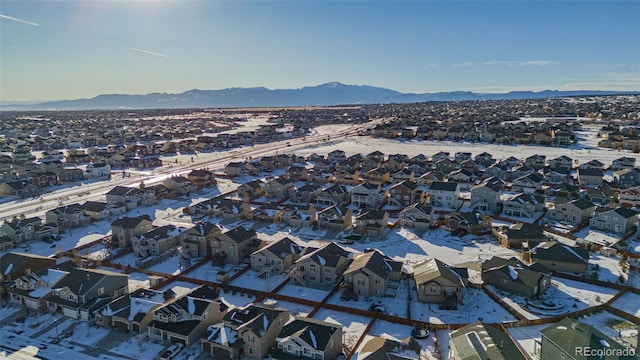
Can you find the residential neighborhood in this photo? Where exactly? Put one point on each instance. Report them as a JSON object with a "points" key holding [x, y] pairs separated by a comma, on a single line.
{"points": [[278, 243]]}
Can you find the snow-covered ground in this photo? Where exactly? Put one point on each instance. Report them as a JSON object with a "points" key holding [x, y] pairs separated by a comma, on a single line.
{"points": [[629, 303]]}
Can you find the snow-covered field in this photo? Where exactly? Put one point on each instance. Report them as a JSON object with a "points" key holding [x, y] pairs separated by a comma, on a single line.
{"points": [[629, 303]]}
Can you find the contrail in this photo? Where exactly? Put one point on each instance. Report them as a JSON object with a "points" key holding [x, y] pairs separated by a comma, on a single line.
{"points": [[146, 51], [18, 20]]}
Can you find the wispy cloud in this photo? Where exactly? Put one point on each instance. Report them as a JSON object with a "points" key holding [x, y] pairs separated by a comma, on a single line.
{"points": [[506, 62], [146, 51], [2, 16]]}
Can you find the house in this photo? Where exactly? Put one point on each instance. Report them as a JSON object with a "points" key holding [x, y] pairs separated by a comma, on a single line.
{"points": [[19, 188], [333, 195], [417, 216], [445, 166], [98, 170], [186, 318], [251, 190], [630, 197], [334, 218], [68, 216], [462, 177], [624, 162], [486, 196], [372, 222], [524, 205], [592, 164], [14, 265], [276, 257], [378, 347], [471, 222], [404, 194], [196, 241], [131, 196], [296, 173], [563, 163], [321, 268], [619, 221], [306, 338], [305, 194], [298, 216], [602, 196], [132, 312], [438, 283], [590, 176], [515, 235], [513, 276], [28, 229], [44, 179], [556, 256], [370, 274], [368, 196], [527, 184], [571, 339], [480, 341], [246, 332], [32, 290], [574, 212], [157, 241], [97, 210], [445, 194], [337, 156], [484, 159], [536, 161], [125, 229], [278, 188], [201, 178], [626, 178], [180, 185], [83, 291], [378, 176], [233, 246]]}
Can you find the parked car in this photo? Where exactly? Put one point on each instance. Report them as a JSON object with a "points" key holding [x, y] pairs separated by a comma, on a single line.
{"points": [[171, 351]]}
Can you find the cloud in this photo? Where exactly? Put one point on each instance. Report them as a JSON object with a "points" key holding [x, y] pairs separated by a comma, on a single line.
{"points": [[506, 62], [146, 51], [2, 16]]}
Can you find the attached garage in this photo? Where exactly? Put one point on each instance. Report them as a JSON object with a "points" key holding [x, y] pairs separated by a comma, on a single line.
{"points": [[72, 313], [220, 353], [121, 325], [175, 340]]}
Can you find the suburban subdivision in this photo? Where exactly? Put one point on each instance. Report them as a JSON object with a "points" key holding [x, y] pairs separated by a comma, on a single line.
{"points": [[495, 229]]}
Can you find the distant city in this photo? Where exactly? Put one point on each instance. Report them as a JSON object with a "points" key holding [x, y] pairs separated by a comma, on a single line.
{"points": [[329, 222]]}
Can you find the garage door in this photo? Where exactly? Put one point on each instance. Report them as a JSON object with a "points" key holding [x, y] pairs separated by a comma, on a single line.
{"points": [[72, 313], [219, 353], [121, 325], [175, 340], [136, 328]]}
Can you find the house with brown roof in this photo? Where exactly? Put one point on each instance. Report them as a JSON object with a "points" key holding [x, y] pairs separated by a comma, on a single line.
{"points": [[439, 283], [370, 274]]}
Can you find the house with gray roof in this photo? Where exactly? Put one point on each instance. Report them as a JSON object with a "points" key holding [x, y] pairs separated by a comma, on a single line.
{"points": [[574, 212], [445, 194], [481, 341], [307, 338], [590, 176], [196, 241], [277, 256], [382, 348], [186, 318], [126, 228], [618, 221], [571, 339], [556, 256], [246, 332], [233, 246], [513, 276], [83, 291], [321, 268], [486, 195]]}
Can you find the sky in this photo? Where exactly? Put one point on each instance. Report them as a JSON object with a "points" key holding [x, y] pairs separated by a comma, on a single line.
{"points": [[69, 49]]}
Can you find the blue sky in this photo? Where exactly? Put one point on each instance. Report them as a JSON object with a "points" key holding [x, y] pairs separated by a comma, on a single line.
{"points": [[67, 49]]}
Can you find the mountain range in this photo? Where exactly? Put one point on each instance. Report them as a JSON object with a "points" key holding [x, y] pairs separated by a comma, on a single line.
{"points": [[328, 94]]}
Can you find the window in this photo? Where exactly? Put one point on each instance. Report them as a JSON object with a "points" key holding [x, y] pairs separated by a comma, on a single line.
{"points": [[360, 282], [252, 338], [252, 350], [327, 270], [306, 351], [100, 291], [504, 281], [312, 278]]}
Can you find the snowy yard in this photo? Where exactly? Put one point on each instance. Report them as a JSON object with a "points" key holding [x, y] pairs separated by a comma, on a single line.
{"points": [[476, 305], [629, 303]]}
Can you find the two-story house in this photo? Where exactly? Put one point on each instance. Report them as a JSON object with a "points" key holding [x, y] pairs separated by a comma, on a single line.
{"points": [[486, 196], [619, 221], [321, 268], [125, 229], [157, 241], [574, 212], [196, 241], [368, 196], [233, 246], [417, 216], [186, 318], [277, 256], [83, 291], [306, 338], [246, 332], [445, 194], [439, 283], [370, 274]]}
